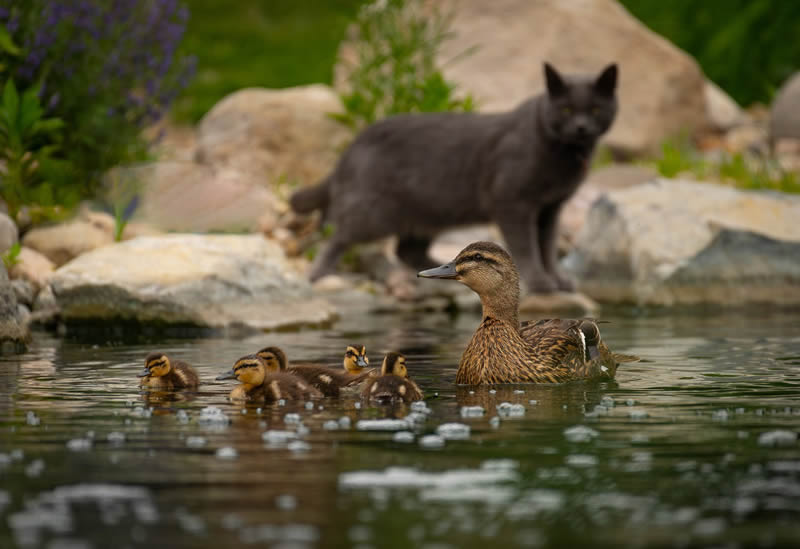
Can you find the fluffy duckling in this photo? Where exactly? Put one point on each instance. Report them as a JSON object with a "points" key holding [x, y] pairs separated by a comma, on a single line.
{"points": [[355, 359], [504, 351], [259, 384], [161, 372], [392, 385], [327, 380]]}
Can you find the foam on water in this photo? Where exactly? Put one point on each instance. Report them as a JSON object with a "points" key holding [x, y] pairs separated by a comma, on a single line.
{"points": [[382, 425]]}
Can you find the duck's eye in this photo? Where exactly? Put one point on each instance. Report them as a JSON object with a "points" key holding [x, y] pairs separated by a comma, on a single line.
{"points": [[477, 257]]}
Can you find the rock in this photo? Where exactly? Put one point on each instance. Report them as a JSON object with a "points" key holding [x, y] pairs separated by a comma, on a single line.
{"points": [[9, 235], [722, 112], [189, 197], [221, 282], [682, 242], [284, 134], [32, 267], [65, 241], [23, 291], [558, 302], [14, 332], [747, 138], [514, 37], [784, 119]]}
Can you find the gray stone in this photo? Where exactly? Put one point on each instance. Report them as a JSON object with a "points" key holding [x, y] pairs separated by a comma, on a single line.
{"points": [[24, 292], [722, 111], [9, 235], [682, 242], [13, 330], [221, 282], [785, 111], [65, 241]]}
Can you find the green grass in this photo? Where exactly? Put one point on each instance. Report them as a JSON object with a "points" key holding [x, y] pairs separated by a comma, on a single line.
{"points": [[269, 43]]}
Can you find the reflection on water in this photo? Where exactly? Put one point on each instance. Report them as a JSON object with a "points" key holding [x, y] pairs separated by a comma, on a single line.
{"points": [[694, 446]]}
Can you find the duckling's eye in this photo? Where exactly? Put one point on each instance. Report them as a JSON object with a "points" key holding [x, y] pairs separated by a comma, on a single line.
{"points": [[350, 354]]}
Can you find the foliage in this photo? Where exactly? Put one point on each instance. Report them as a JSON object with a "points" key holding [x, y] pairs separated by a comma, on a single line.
{"points": [[395, 69], [28, 144], [746, 46], [11, 255], [105, 68], [273, 44], [123, 188], [679, 157]]}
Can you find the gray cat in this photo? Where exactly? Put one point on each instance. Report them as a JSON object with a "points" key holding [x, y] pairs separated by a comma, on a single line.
{"points": [[415, 175]]}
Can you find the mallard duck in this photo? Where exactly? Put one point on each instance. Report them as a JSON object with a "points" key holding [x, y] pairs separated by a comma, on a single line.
{"points": [[161, 372], [259, 384], [355, 359], [327, 380], [392, 385], [504, 351]]}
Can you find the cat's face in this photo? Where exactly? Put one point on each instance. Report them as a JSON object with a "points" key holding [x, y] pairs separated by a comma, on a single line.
{"points": [[579, 109]]}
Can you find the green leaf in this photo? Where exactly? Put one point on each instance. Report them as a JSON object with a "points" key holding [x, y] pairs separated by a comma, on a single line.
{"points": [[7, 43], [11, 101]]}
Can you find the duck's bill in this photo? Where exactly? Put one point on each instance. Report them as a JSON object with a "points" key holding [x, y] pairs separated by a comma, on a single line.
{"points": [[361, 363], [445, 271], [227, 375], [143, 373]]}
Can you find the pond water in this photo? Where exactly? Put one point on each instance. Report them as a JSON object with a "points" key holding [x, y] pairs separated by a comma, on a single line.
{"points": [[694, 446]]}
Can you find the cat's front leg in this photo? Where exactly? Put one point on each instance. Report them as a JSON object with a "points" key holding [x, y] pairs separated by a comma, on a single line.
{"points": [[547, 228], [521, 235]]}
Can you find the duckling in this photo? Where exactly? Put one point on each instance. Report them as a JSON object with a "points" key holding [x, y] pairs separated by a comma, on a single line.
{"points": [[504, 351], [392, 385], [326, 380], [259, 384], [161, 372], [355, 359]]}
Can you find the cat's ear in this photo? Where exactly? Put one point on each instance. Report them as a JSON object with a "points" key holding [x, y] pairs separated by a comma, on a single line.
{"points": [[606, 83], [555, 84]]}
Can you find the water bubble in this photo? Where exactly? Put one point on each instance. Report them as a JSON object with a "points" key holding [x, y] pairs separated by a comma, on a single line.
{"points": [[344, 422], [404, 437], [182, 416], [298, 446], [637, 415], [31, 419], [420, 406], [630, 402], [139, 411], [243, 411], [582, 460], [17, 454], [195, 442], [357, 405], [507, 409], [580, 433], [607, 401], [453, 431], [533, 402], [382, 425], [519, 392], [213, 416], [416, 417], [720, 415], [286, 502], [492, 391], [79, 444], [227, 453], [116, 438], [331, 425], [778, 437], [472, 411], [291, 419], [309, 405], [258, 411], [302, 430], [275, 438], [34, 468], [494, 422], [281, 402], [431, 442]]}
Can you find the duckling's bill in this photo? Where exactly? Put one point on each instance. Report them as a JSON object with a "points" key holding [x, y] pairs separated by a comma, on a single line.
{"points": [[445, 271], [230, 374], [144, 373]]}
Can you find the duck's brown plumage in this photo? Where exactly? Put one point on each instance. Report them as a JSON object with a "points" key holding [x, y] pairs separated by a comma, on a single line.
{"points": [[504, 351], [393, 384], [162, 372], [328, 381], [259, 384]]}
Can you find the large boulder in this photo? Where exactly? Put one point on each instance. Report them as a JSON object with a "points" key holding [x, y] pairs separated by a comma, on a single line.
{"points": [[64, 241], [210, 281], [275, 135], [13, 329], [189, 197], [785, 111], [683, 242], [661, 88]]}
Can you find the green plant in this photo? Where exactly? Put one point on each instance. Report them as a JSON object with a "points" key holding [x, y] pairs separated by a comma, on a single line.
{"points": [[123, 188], [29, 142], [395, 68], [11, 255]]}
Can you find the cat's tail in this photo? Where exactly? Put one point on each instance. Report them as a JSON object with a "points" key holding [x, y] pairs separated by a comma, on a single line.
{"points": [[311, 198]]}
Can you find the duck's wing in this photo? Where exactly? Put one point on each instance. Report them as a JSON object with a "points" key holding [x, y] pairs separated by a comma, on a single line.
{"points": [[323, 378]]}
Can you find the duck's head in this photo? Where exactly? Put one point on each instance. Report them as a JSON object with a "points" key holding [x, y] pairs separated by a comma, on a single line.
{"points": [[483, 266], [394, 364], [355, 358], [274, 358], [155, 365], [250, 369]]}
